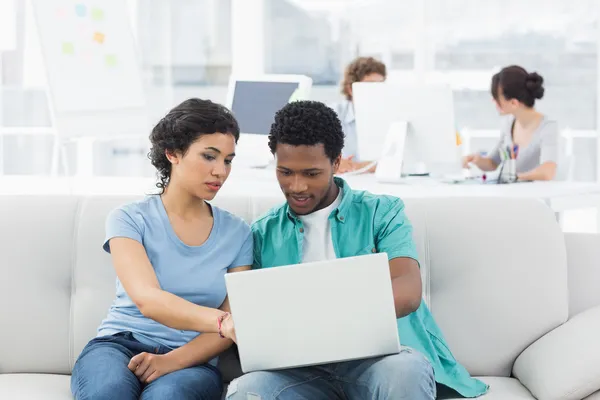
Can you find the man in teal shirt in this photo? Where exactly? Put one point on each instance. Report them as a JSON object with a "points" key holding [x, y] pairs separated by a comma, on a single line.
{"points": [[322, 219]]}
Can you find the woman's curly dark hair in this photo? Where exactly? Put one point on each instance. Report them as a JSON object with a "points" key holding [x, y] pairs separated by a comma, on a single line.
{"points": [[308, 123], [357, 70], [181, 127]]}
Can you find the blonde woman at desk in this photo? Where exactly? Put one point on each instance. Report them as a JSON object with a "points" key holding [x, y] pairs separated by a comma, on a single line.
{"points": [[362, 69], [528, 134]]}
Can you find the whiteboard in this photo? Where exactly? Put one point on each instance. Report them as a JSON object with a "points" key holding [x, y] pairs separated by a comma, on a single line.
{"points": [[8, 25], [91, 63]]}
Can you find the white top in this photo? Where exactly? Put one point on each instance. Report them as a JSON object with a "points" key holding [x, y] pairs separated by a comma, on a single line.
{"points": [[345, 112], [317, 242]]}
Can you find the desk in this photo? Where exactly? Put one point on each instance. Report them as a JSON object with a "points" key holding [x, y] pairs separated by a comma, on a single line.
{"points": [[559, 196]]}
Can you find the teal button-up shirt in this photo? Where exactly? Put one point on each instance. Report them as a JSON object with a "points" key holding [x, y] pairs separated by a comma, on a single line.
{"points": [[365, 223]]}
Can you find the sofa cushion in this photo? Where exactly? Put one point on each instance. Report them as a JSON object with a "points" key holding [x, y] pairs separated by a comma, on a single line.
{"points": [[229, 364], [583, 253], [93, 274], [36, 240], [564, 364], [35, 387], [502, 389], [496, 284]]}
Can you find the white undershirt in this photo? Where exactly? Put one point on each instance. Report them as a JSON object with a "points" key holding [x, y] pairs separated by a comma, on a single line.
{"points": [[318, 244]]}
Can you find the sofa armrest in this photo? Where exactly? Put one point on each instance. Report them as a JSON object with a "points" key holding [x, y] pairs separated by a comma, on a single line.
{"points": [[583, 261], [565, 363]]}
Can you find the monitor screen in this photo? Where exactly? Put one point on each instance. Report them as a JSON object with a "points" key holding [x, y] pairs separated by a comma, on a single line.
{"points": [[255, 103]]}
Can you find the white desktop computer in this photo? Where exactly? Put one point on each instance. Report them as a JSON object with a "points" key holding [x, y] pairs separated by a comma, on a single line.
{"points": [[254, 100], [423, 113]]}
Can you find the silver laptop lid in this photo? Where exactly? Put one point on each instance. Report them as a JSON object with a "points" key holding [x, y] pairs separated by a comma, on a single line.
{"points": [[314, 313]]}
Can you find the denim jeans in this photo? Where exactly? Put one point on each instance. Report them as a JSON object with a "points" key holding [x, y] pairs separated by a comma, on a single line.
{"points": [[407, 375], [101, 373]]}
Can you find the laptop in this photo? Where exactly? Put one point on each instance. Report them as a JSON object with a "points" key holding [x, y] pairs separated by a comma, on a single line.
{"points": [[314, 313]]}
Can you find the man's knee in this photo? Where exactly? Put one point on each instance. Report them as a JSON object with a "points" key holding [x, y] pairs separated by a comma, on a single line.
{"points": [[406, 374], [253, 386]]}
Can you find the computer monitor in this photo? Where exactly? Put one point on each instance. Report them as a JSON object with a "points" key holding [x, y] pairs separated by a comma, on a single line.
{"points": [[254, 100], [430, 143]]}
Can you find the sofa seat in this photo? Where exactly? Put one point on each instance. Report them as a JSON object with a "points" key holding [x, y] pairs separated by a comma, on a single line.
{"points": [[35, 387], [56, 387], [503, 389]]}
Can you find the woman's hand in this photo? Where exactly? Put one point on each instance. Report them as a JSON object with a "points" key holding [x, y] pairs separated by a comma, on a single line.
{"points": [[228, 328], [471, 158], [149, 367], [346, 165]]}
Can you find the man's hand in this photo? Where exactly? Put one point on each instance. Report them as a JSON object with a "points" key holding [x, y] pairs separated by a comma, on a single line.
{"points": [[228, 328], [149, 367]]}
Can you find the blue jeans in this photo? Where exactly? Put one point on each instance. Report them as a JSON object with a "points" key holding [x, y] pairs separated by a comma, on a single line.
{"points": [[101, 373], [407, 375]]}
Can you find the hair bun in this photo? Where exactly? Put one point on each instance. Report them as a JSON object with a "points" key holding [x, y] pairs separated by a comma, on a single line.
{"points": [[535, 85]]}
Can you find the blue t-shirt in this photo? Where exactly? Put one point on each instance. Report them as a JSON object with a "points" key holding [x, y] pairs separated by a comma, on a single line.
{"points": [[195, 273]]}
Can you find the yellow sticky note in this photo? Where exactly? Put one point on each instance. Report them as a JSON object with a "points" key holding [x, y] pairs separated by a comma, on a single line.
{"points": [[99, 37], [68, 48], [111, 60], [97, 14]]}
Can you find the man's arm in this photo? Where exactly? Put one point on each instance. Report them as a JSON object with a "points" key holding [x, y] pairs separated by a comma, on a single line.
{"points": [[406, 285], [394, 236]]}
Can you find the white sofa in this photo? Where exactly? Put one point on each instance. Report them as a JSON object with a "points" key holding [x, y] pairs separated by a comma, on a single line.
{"points": [[501, 278]]}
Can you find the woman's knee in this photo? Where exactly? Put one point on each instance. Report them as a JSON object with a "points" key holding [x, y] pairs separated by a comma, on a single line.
{"points": [[197, 383], [101, 373], [104, 385]]}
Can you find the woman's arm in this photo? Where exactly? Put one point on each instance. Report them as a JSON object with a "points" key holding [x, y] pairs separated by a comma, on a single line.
{"points": [[483, 163], [544, 172], [205, 347], [149, 367], [493, 158], [141, 284], [348, 165]]}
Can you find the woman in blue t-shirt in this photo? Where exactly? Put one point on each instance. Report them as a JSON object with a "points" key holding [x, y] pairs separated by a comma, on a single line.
{"points": [[170, 252]]}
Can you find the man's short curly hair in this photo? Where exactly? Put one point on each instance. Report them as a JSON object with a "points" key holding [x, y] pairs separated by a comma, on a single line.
{"points": [[308, 123], [358, 69], [181, 127]]}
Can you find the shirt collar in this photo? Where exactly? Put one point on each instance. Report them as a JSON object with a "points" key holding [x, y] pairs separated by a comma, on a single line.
{"points": [[341, 210]]}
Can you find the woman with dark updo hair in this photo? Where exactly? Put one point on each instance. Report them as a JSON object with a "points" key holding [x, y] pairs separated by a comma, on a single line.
{"points": [[527, 135], [162, 334]]}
